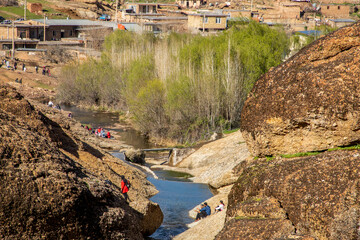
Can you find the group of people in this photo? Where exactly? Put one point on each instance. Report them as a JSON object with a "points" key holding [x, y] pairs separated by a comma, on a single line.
{"points": [[14, 65], [6, 62], [205, 210], [45, 70], [100, 132], [52, 105]]}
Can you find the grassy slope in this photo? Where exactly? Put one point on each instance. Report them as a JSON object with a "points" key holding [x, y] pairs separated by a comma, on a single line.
{"points": [[14, 12]]}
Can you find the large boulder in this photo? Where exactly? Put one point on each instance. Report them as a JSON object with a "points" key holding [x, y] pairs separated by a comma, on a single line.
{"points": [[44, 194], [135, 156], [310, 102], [313, 197], [213, 162], [58, 186]]}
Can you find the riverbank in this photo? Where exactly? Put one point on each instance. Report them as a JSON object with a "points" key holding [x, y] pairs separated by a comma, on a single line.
{"points": [[212, 164]]}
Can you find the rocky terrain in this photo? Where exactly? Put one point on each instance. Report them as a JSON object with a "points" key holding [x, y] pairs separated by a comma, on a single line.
{"points": [[213, 163], [309, 103], [59, 186], [313, 197]]}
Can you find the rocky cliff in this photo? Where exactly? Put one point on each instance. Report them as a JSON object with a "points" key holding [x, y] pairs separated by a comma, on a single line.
{"points": [[313, 197], [310, 102], [54, 185]]}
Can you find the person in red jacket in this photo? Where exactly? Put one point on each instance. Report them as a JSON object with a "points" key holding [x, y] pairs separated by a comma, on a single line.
{"points": [[125, 185]]}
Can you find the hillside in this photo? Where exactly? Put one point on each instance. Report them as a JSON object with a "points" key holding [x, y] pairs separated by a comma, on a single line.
{"points": [[60, 9], [58, 185]]}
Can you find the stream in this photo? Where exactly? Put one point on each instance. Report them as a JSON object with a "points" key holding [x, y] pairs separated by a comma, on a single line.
{"points": [[177, 195]]}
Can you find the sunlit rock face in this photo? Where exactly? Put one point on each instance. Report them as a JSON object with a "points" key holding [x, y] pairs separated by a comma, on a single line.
{"points": [[315, 197], [310, 102], [46, 194]]}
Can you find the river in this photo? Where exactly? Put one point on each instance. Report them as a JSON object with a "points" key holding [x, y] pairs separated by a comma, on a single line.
{"points": [[177, 195]]}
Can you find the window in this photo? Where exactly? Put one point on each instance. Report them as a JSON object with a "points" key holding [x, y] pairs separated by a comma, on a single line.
{"points": [[6, 46], [54, 33], [218, 20], [328, 7], [206, 19], [339, 7]]}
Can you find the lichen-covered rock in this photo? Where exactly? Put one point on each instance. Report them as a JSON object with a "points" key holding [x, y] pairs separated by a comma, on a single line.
{"points": [[152, 215], [135, 156], [310, 102], [260, 229], [318, 196], [55, 186]]}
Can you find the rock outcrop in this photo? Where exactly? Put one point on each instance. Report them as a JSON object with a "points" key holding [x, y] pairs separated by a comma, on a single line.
{"points": [[213, 163], [310, 102], [54, 185], [313, 197], [135, 156]]}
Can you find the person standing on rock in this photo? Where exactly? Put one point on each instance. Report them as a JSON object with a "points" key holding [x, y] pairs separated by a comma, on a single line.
{"points": [[36, 69], [125, 185]]}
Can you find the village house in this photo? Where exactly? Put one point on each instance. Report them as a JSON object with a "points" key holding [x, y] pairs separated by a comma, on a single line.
{"points": [[20, 31], [191, 3], [208, 22], [135, 12], [335, 11], [142, 7], [28, 34], [338, 23], [285, 13], [6, 44], [57, 29], [164, 24]]}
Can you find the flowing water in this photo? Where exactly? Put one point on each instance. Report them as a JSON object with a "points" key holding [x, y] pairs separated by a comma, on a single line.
{"points": [[176, 199], [177, 195]]}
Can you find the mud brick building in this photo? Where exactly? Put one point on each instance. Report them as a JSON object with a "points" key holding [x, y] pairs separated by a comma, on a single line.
{"points": [[207, 21], [335, 11]]}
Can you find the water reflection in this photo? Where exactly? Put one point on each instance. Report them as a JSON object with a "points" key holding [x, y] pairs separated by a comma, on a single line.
{"points": [[107, 120]]}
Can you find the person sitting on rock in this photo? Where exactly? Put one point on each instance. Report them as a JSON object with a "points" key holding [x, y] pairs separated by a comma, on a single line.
{"points": [[207, 209], [58, 107], [203, 212], [108, 135], [220, 207], [50, 104]]}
